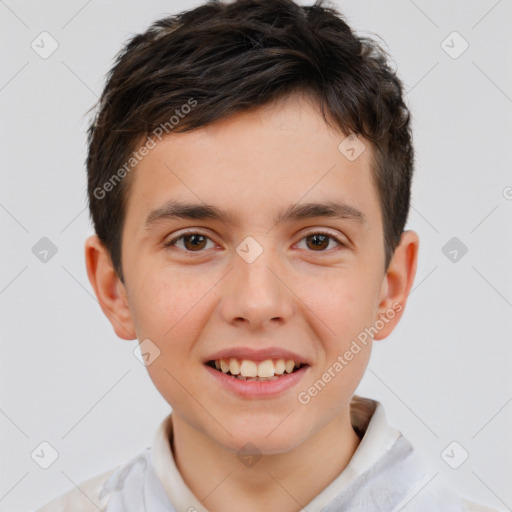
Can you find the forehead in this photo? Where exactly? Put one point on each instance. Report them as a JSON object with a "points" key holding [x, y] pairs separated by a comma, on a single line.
{"points": [[256, 163]]}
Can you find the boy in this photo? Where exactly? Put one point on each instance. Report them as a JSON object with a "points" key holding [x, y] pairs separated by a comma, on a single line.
{"points": [[249, 174]]}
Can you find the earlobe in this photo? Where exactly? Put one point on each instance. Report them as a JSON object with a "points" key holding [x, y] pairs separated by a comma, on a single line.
{"points": [[397, 283], [108, 288]]}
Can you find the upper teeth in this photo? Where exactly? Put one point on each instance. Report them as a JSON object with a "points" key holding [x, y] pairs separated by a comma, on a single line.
{"points": [[248, 368]]}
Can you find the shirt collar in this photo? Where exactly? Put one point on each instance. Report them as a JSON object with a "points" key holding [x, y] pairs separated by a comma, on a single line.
{"points": [[368, 420]]}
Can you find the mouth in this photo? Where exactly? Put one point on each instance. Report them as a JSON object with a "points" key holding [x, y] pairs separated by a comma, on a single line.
{"points": [[259, 371]]}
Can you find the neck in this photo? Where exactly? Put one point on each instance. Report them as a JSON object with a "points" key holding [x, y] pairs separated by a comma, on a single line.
{"points": [[286, 481]]}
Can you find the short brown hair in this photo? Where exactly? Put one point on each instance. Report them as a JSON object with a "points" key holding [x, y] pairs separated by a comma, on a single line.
{"points": [[224, 58]]}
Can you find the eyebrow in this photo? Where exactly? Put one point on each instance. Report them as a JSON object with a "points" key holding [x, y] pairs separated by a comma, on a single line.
{"points": [[200, 211]]}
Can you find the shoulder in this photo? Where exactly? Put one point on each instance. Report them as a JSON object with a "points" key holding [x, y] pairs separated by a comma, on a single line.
{"points": [[94, 494], [84, 498]]}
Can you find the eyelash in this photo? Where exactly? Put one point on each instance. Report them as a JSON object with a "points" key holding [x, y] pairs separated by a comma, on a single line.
{"points": [[173, 241]]}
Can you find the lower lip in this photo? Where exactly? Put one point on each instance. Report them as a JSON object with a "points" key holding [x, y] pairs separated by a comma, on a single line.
{"points": [[255, 388]]}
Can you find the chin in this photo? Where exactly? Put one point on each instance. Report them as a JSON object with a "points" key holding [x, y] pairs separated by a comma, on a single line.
{"points": [[264, 435]]}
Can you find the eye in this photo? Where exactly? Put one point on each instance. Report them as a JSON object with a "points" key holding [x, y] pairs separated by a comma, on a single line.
{"points": [[319, 242], [196, 242], [191, 242]]}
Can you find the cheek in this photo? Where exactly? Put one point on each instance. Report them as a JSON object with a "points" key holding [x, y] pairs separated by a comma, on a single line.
{"points": [[163, 304], [346, 304]]}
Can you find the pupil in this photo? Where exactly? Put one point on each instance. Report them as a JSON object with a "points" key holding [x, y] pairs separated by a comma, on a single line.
{"points": [[319, 240], [195, 241]]}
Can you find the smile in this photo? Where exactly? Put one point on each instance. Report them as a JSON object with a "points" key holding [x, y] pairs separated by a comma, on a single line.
{"points": [[248, 370]]}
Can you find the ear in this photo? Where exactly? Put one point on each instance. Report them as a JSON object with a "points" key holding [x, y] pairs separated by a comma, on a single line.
{"points": [[397, 283], [109, 289]]}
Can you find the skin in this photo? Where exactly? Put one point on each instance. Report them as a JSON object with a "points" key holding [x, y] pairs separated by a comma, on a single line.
{"points": [[294, 295]]}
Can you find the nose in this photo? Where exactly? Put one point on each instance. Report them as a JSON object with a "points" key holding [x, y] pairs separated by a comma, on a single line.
{"points": [[256, 294]]}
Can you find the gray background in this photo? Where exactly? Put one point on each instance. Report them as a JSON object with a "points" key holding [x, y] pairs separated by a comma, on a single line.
{"points": [[444, 374]]}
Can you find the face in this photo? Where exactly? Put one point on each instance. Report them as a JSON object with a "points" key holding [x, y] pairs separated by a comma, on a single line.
{"points": [[223, 260]]}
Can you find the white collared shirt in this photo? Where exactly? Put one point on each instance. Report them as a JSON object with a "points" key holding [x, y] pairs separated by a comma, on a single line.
{"points": [[385, 474]]}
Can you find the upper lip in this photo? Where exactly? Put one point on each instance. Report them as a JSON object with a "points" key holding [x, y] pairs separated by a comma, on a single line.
{"points": [[259, 354]]}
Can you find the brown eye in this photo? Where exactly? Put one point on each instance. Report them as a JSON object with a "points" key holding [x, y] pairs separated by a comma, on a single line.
{"points": [[195, 242], [319, 242], [189, 242]]}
